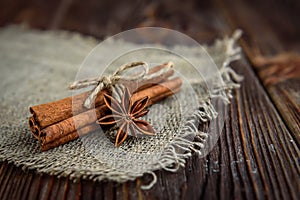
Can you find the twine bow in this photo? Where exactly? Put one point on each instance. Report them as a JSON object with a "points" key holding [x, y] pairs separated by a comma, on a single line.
{"points": [[110, 80]]}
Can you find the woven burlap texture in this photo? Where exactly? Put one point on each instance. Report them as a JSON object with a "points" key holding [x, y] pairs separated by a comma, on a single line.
{"points": [[37, 66]]}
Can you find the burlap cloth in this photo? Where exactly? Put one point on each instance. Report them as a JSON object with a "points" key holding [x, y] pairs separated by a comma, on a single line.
{"points": [[36, 67]]}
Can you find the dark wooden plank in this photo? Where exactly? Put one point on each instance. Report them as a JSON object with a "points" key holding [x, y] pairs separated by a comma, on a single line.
{"points": [[271, 30], [34, 13], [256, 156], [24, 193], [46, 187], [87, 190], [71, 190], [9, 9], [15, 185], [35, 187], [9, 185], [253, 159], [20, 188], [274, 140], [65, 191], [270, 27], [3, 172], [103, 18], [54, 190], [281, 77], [98, 190], [7, 180]]}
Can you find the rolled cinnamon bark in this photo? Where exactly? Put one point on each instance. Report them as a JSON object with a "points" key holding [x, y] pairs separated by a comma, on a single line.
{"points": [[69, 137], [167, 94], [57, 141], [50, 113], [68, 126], [88, 129], [33, 127]]}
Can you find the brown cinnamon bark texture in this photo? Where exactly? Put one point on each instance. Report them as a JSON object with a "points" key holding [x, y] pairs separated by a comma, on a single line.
{"points": [[34, 128], [69, 137], [53, 112], [66, 130], [59, 122]]}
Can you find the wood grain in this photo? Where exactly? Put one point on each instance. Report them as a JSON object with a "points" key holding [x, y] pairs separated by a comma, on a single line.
{"points": [[268, 45], [257, 155]]}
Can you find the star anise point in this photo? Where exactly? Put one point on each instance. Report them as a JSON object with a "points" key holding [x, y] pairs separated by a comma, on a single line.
{"points": [[125, 114]]}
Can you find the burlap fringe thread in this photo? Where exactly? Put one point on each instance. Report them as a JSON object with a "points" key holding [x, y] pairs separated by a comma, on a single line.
{"points": [[205, 113], [171, 160]]}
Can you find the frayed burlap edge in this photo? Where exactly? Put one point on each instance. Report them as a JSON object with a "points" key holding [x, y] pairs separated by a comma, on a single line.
{"points": [[172, 160], [182, 146]]}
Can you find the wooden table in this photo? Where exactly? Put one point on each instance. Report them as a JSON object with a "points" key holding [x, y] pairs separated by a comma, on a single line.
{"points": [[257, 155]]}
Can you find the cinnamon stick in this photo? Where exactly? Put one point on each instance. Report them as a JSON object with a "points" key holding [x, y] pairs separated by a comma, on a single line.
{"points": [[50, 113], [65, 131], [70, 125], [69, 137], [33, 127]]}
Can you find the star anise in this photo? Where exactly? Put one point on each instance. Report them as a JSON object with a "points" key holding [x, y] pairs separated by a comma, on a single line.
{"points": [[125, 114]]}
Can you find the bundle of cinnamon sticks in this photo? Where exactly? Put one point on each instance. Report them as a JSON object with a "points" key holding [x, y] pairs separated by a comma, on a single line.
{"points": [[59, 122]]}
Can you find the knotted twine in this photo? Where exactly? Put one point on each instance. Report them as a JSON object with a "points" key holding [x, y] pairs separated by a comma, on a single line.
{"points": [[110, 80], [74, 160]]}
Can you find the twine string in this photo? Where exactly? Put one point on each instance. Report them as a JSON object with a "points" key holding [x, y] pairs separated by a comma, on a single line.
{"points": [[110, 80]]}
